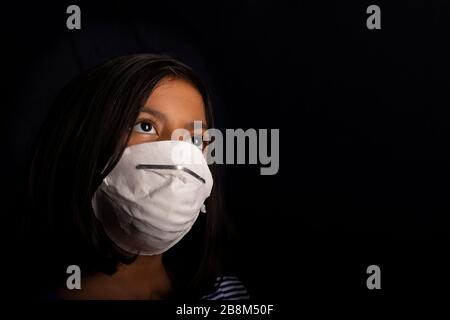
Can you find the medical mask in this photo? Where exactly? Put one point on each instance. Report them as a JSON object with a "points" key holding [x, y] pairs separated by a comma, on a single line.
{"points": [[153, 196]]}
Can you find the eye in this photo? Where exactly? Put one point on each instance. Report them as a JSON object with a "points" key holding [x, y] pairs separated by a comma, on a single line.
{"points": [[144, 128], [197, 141]]}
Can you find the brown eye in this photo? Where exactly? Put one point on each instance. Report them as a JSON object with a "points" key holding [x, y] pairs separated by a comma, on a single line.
{"points": [[144, 128]]}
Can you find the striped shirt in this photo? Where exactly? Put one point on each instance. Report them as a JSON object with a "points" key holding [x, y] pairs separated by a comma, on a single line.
{"points": [[227, 288]]}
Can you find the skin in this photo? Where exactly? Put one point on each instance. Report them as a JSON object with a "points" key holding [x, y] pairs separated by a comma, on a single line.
{"points": [[173, 104]]}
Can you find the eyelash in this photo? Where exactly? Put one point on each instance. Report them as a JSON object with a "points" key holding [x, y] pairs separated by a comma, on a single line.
{"points": [[145, 121]]}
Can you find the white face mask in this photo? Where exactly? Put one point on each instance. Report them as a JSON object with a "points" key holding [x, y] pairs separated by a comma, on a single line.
{"points": [[153, 196]]}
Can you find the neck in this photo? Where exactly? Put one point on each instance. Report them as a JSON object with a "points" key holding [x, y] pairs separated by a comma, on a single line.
{"points": [[145, 278]]}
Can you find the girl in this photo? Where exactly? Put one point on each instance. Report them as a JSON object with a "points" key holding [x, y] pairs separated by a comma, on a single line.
{"points": [[105, 194]]}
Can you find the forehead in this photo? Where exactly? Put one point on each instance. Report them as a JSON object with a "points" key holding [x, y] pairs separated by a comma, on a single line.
{"points": [[177, 98]]}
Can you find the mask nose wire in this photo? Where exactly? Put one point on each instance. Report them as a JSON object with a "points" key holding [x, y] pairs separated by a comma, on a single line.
{"points": [[171, 167]]}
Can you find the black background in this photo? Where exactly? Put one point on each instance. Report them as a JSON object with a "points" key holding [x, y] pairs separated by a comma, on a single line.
{"points": [[363, 116]]}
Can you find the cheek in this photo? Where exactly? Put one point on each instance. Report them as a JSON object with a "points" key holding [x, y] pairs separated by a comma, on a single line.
{"points": [[136, 138], [166, 134], [133, 140], [174, 133]]}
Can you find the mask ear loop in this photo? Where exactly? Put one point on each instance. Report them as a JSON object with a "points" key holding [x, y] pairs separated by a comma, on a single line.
{"points": [[106, 166], [103, 170]]}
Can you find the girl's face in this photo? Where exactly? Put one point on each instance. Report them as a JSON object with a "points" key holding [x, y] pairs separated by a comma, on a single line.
{"points": [[173, 104]]}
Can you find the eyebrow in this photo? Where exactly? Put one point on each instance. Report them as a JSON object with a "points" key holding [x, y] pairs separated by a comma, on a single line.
{"points": [[162, 117]]}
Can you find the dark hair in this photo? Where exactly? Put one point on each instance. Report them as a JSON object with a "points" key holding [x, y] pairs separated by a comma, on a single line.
{"points": [[80, 142]]}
